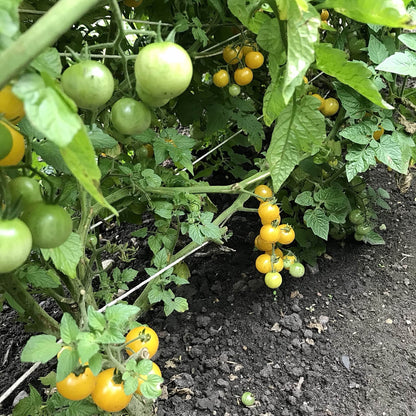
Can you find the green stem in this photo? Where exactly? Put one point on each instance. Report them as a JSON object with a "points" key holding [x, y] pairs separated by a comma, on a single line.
{"points": [[48, 29], [338, 122]]}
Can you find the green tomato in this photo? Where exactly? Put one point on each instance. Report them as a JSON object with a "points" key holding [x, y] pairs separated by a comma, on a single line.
{"points": [[26, 189], [273, 280], [363, 229], [6, 141], [297, 270], [358, 237], [130, 116], [15, 244], [163, 71], [150, 100], [50, 225], [89, 83], [248, 399], [234, 90], [356, 217]]}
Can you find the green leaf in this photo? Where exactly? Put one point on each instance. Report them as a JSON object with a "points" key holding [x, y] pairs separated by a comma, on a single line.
{"points": [[160, 260], [195, 233], [87, 348], [111, 336], [377, 51], [335, 201], [373, 238], [69, 328], [48, 62], [182, 271], [130, 383], [29, 406], [252, 127], [39, 277], [150, 388], [40, 348], [359, 133], [211, 231], [198, 32], [305, 199], [9, 22], [298, 134], [80, 157], [66, 256], [403, 63], [381, 12], [359, 159], [95, 363], [389, 151], [181, 304], [355, 74], [67, 362], [100, 140], [120, 314], [96, 320], [302, 34], [409, 39], [318, 222], [155, 294], [247, 11], [151, 178]]}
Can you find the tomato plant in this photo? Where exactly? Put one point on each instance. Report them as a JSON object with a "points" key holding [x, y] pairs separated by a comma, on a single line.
{"points": [[89, 83], [254, 60], [26, 189], [77, 387], [262, 245], [324, 14], [15, 244], [143, 377], [288, 260], [321, 100], [147, 338], [273, 280], [109, 395], [17, 151], [221, 78], [378, 133], [11, 106], [232, 55], [130, 116], [243, 76], [356, 217], [50, 225]]}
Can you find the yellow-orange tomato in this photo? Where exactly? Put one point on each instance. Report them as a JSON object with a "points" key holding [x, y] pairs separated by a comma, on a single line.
{"points": [[265, 263], [262, 245], [330, 107], [268, 212], [221, 78], [18, 146], [150, 340], [243, 76], [277, 263], [254, 59], [324, 14], [269, 233], [263, 191], [378, 133], [287, 234], [277, 252], [143, 377], [321, 99], [11, 106], [232, 55], [305, 80], [246, 49], [75, 387], [132, 3]]}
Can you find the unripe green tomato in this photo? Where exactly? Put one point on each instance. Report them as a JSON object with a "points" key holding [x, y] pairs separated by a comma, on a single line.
{"points": [[356, 217], [234, 90], [248, 399], [26, 189], [130, 116]]}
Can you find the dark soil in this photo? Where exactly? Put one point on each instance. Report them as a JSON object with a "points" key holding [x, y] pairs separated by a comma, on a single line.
{"points": [[341, 341]]}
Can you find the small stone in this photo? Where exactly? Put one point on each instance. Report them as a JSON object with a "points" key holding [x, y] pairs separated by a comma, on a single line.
{"points": [[389, 321], [292, 322]]}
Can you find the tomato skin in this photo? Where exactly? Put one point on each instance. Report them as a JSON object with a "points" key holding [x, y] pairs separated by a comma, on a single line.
{"points": [[276, 251], [321, 99], [287, 234], [254, 59], [268, 212], [273, 280], [18, 145], [155, 370], [248, 399], [265, 263], [50, 225], [25, 188], [330, 107], [263, 191], [130, 116], [297, 270], [232, 55], [15, 244], [269, 233], [363, 229], [356, 217], [262, 245], [163, 71], [75, 387], [324, 14], [378, 133], [221, 78], [152, 344], [107, 394], [246, 49], [89, 83], [243, 76], [234, 90], [10, 105]]}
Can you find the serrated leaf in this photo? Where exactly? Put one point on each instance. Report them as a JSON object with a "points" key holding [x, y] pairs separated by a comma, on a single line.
{"points": [[373, 238], [403, 63], [66, 256], [160, 260], [305, 199], [247, 11], [151, 178], [130, 383], [318, 222], [298, 134], [211, 231], [39, 277], [181, 304], [68, 328], [169, 306], [40, 348], [390, 153], [48, 62], [95, 363], [409, 39], [359, 133], [335, 201], [121, 313], [96, 320], [252, 127], [30, 405], [359, 159], [150, 388], [100, 140], [181, 270], [141, 233], [390, 13], [111, 336], [195, 233], [355, 74], [67, 362], [155, 294], [383, 193], [377, 51]]}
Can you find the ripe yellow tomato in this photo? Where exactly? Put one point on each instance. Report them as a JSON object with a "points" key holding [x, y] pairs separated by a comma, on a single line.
{"points": [[268, 212], [378, 133], [10, 105], [262, 245], [321, 99], [287, 234], [269, 233], [263, 191], [330, 107], [276, 251], [254, 59], [75, 387], [243, 76], [324, 15], [221, 78], [232, 54], [150, 340], [17, 151], [265, 263], [273, 280]]}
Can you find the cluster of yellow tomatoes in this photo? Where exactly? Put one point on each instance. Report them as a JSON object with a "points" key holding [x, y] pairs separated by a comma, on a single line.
{"points": [[246, 58], [272, 234], [12, 143], [107, 388]]}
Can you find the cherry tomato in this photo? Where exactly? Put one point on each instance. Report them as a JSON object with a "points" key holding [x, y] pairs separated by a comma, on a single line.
{"points": [[276, 251], [269, 233], [143, 377], [305, 80], [321, 99], [109, 395], [150, 100], [248, 399], [246, 49], [268, 212], [378, 133], [221, 78], [11, 106], [130, 116], [15, 244], [262, 245], [75, 387], [50, 225], [356, 217], [26, 189], [163, 71], [234, 90], [243, 76], [363, 229], [145, 151], [132, 3], [254, 59], [288, 260], [297, 270], [151, 341], [266, 263], [89, 83], [287, 234], [17, 151], [273, 280], [324, 14], [330, 107], [263, 191], [232, 55]]}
